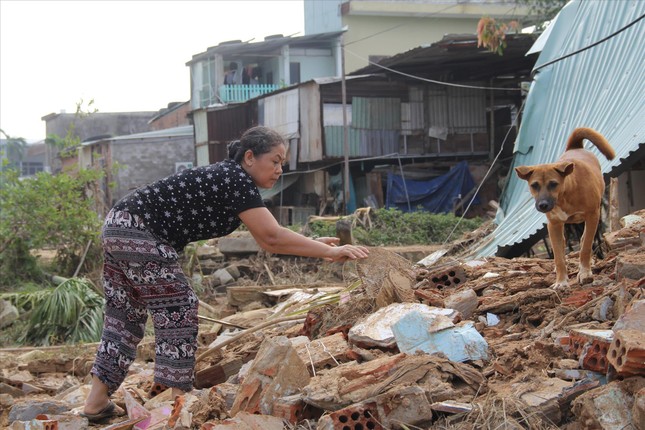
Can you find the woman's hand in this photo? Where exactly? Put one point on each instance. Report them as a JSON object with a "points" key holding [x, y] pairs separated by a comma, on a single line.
{"points": [[347, 252], [331, 241]]}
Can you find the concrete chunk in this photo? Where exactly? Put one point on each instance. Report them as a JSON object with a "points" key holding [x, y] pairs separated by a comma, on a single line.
{"points": [[376, 329], [460, 343]]}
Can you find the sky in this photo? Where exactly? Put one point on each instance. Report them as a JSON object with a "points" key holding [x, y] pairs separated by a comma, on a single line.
{"points": [[125, 55]]}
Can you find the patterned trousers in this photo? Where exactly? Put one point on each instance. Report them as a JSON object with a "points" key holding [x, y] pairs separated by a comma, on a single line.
{"points": [[141, 274]]}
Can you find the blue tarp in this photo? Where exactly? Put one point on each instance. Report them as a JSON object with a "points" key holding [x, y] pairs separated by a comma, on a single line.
{"points": [[437, 195]]}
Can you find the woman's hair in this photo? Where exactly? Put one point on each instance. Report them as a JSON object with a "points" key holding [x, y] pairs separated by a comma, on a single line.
{"points": [[259, 140]]}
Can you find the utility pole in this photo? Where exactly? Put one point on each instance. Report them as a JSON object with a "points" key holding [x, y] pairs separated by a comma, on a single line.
{"points": [[343, 90]]}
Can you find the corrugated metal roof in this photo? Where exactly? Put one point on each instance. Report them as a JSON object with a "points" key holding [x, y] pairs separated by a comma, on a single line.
{"points": [[182, 131], [602, 87], [457, 58]]}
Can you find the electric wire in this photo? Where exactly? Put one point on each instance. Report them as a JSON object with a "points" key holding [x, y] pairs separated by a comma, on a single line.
{"points": [[481, 183], [604, 39]]}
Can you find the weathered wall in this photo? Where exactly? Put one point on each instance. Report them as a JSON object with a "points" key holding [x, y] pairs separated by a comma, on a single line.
{"points": [[137, 159], [174, 117], [96, 124]]}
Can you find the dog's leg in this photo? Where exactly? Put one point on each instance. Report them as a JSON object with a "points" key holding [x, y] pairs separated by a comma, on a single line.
{"points": [[556, 234], [586, 245]]}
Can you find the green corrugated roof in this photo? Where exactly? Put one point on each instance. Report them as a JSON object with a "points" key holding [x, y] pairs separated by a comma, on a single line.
{"points": [[602, 87]]}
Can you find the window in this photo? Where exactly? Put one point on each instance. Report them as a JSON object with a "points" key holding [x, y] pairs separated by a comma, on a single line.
{"points": [[207, 93], [294, 73], [31, 168]]}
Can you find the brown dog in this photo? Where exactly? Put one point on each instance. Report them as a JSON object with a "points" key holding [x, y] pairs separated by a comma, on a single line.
{"points": [[570, 192]]}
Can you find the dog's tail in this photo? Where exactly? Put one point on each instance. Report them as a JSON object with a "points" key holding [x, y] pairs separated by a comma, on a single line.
{"points": [[579, 134]]}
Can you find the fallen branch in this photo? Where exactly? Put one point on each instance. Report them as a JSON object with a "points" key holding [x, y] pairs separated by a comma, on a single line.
{"points": [[265, 324]]}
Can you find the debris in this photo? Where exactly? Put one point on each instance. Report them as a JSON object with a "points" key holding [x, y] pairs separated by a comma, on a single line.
{"points": [[394, 345], [8, 313], [376, 329], [632, 318], [627, 352], [277, 371], [464, 301], [29, 409], [415, 332], [591, 347], [344, 231], [630, 265], [322, 353], [610, 406]]}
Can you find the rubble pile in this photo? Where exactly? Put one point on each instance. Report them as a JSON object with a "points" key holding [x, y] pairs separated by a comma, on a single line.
{"points": [[454, 344]]}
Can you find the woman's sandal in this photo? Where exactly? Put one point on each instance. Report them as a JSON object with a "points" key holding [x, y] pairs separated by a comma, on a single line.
{"points": [[111, 410]]}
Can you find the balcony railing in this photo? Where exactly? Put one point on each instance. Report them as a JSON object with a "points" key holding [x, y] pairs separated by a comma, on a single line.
{"points": [[241, 93]]}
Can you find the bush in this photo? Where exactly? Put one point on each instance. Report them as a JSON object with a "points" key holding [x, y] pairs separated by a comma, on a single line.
{"points": [[394, 227], [45, 211]]}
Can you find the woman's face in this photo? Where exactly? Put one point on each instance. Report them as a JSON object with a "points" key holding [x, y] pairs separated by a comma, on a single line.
{"points": [[265, 169]]}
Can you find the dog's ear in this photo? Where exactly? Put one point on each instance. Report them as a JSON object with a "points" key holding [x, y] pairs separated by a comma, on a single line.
{"points": [[564, 168], [524, 172]]}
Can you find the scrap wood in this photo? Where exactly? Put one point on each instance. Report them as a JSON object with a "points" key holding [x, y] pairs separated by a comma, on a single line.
{"points": [[510, 303], [269, 274], [552, 327], [265, 324], [414, 369], [222, 322]]}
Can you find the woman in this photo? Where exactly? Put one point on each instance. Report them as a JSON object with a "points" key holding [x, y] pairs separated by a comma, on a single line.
{"points": [[141, 274]]}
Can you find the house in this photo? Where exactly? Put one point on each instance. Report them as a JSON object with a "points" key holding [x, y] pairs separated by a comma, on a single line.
{"points": [[132, 148], [31, 159], [589, 73], [234, 71], [134, 160], [176, 114], [90, 126], [428, 109], [376, 29]]}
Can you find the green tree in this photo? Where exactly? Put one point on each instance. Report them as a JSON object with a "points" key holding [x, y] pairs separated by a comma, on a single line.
{"points": [[69, 144], [13, 151], [45, 211], [491, 34]]}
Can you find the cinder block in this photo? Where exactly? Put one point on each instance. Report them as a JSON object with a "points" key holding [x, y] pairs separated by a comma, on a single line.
{"points": [[294, 409], [447, 278], [358, 416], [591, 347]]}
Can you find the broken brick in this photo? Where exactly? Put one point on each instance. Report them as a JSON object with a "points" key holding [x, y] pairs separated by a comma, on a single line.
{"points": [[591, 347], [627, 352], [321, 353], [358, 416], [276, 371], [293, 409], [451, 277]]}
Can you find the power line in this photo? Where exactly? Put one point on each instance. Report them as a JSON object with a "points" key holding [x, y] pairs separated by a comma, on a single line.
{"points": [[535, 69], [481, 183]]}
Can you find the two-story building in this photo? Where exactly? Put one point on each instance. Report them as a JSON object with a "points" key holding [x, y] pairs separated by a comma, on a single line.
{"points": [[376, 120], [376, 29]]}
